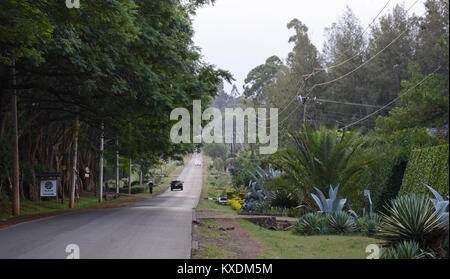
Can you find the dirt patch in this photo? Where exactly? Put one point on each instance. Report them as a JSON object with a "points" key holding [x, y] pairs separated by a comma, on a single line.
{"points": [[227, 236]]}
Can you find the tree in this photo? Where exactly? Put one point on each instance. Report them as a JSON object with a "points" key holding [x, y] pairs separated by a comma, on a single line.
{"points": [[426, 105], [216, 150], [390, 66], [323, 157], [261, 77], [218, 164]]}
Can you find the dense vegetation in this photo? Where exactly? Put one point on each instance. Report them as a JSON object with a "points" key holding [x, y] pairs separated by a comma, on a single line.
{"points": [[112, 67]]}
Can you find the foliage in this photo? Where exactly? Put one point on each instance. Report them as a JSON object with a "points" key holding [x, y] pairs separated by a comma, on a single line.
{"points": [[341, 222], [440, 205], [403, 250], [424, 106], [311, 224], [256, 193], [324, 157], [369, 224], [332, 204], [411, 217], [218, 164], [384, 178], [216, 150], [235, 203], [124, 65], [430, 166], [283, 199]]}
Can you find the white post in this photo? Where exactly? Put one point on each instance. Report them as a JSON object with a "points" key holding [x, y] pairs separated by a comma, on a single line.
{"points": [[102, 143]]}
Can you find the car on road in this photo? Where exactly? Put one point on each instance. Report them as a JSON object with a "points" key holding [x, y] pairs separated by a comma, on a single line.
{"points": [[198, 163], [176, 184], [222, 201]]}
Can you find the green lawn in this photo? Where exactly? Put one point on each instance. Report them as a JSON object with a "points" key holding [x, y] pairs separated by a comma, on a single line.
{"points": [[287, 245]]}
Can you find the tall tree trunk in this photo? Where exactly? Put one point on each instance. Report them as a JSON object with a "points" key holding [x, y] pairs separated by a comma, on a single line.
{"points": [[117, 167], [15, 146], [74, 165], [102, 142]]}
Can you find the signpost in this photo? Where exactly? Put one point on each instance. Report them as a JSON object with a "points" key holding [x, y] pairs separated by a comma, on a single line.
{"points": [[48, 185]]}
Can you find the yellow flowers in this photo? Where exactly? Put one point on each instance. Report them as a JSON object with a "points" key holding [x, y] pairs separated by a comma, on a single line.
{"points": [[235, 203]]}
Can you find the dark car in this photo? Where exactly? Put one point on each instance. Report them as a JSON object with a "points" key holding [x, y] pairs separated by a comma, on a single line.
{"points": [[177, 184]]}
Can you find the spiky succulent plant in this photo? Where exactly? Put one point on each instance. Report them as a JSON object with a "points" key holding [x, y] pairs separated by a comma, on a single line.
{"points": [[329, 205]]}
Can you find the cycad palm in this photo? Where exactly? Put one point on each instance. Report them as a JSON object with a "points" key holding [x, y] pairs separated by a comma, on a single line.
{"points": [[324, 157]]}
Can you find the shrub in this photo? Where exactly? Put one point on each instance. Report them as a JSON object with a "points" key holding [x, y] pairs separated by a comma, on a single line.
{"points": [[403, 250], [411, 217], [341, 222], [235, 203], [283, 199], [369, 225], [430, 166], [218, 164], [310, 224]]}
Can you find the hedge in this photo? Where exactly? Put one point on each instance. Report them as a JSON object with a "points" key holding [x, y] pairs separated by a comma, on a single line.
{"points": [[430, 166]]}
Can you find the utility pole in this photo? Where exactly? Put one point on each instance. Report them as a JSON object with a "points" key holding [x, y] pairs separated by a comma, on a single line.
{"points": [[74, 165], [15, 145], [102, 143], [129, 179], [304, 110], [117, 166]]}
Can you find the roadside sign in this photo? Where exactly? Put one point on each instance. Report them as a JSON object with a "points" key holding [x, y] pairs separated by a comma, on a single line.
{"points": [[48, 188]]}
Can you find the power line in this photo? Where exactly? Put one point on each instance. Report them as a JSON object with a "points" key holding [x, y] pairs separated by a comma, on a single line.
{"points": [[352, 71], [306, 77], [393, 101]]}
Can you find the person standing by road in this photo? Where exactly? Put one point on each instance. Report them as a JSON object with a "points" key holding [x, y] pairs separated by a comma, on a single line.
{"points": [[150, 187]]}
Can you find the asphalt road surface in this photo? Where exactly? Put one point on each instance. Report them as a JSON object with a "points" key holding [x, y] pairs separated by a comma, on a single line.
{"points": [[159, 228]]}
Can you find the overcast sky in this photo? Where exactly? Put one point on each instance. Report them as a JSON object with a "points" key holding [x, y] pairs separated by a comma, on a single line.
{"points": [[238, 35]]}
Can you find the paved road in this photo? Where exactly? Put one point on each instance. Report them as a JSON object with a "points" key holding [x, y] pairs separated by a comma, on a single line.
{"points": [[159, 228]]}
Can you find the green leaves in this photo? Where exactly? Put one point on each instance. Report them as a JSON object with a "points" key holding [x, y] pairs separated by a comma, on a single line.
{"points": [[411, 217], [322, 158]]}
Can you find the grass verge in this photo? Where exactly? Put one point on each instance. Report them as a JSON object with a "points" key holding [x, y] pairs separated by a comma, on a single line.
{"points": [[287, 245]]}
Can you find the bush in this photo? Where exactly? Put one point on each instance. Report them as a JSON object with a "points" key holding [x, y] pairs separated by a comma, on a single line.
{"points": [[403, 250], [235, 203], [310, 224], [411, 218], [341, 222], [370, 224], [430, 166], [384, 179], [284, 199], [218, 164]]}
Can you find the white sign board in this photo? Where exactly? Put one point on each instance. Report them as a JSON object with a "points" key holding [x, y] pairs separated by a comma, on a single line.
{"points": [[48, 188]]}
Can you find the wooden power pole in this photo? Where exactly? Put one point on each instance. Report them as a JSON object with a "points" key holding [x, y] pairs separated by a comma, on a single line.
{"points": [[74, 165], [15, 145]]}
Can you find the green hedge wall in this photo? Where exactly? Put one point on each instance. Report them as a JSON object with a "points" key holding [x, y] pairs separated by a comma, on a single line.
{"points": [[430, 166]]}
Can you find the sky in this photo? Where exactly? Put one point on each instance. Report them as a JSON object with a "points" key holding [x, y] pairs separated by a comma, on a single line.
{"points": [[238, 35]]}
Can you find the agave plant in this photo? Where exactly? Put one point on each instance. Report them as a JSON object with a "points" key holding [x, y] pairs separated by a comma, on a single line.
{"points": [[440, 205], [329, 205], [255, 192], [403, 250], [411, 217], [342, 222], [311, 223]]}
